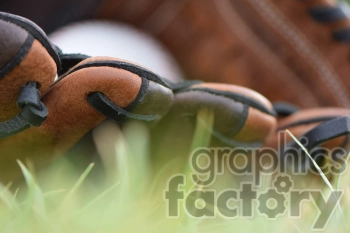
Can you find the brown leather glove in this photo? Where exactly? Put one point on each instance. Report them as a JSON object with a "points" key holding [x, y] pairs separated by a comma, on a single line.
{"points": [[119, 90], [290, 50], [90, 89], [83, 97], [270, 46]]}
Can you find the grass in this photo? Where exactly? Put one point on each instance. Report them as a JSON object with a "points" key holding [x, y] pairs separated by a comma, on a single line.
{"points": [[129, 199]]}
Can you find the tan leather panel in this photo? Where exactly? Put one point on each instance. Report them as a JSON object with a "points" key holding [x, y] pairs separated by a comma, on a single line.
{"points": [[71, 92], [258, 127], [37, 66]]}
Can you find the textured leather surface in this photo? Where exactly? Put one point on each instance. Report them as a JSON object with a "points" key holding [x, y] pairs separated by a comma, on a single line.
{"points": [[37, 66], [271, 46], [260, 44]]}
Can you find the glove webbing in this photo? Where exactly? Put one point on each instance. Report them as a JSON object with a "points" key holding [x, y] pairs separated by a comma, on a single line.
{"points": [[33, 111]]}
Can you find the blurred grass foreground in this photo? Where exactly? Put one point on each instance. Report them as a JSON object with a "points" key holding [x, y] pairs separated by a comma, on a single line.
{"points": [[130, 196]]}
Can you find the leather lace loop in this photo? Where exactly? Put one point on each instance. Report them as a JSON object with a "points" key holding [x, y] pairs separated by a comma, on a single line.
{"points": [[33, 113], [105, 106]]}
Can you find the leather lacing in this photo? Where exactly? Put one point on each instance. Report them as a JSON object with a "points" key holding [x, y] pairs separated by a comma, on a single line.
{"points": [[313, 140], [331, 14], [99, 100], [33, 113]]}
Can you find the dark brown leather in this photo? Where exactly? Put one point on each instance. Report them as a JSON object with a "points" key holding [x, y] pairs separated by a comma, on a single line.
{"points": [[12, 39], [271, 46]]}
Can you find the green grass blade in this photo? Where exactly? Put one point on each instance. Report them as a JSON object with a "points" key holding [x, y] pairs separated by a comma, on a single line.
{"points": [[324, 178], [81, 179], [35, 193]]}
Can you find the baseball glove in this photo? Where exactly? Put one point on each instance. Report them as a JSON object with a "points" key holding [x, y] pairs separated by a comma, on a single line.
{"points": [[42, 117]]}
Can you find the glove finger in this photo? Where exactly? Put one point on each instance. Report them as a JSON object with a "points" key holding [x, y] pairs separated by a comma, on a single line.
{"points": [[242, 118], [26, 57], [117, 89]]}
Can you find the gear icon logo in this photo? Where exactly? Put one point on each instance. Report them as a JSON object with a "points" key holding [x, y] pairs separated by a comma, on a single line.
{"points": [[279, 205], [283, 184]]}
